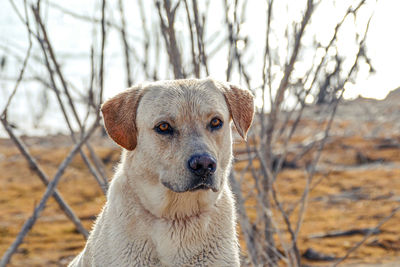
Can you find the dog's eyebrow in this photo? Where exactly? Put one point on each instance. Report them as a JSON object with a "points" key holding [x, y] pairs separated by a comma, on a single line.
{"points": [[215, 113], [168, 119]]}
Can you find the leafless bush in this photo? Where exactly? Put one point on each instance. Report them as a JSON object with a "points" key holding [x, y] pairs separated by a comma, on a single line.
{"points": [[177, 39]]}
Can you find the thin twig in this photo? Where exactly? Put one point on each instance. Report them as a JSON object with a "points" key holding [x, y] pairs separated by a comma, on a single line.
{"points": [[89, 19], [244, 220], [56, 65], [200, 37], [103, 42], [231, 41], [266, 75], [195, 62], [146, 41], [332, 40], [24, 64], [128, 72]]}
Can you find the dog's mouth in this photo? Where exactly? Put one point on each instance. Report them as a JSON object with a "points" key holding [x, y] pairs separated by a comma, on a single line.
{"points": [[203, 187]]}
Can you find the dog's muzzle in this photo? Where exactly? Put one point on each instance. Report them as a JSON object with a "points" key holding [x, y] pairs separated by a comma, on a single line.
{"points": [[202, 169]]}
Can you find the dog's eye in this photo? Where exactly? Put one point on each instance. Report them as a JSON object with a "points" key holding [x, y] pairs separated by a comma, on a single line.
{"points": [[215, 124], [164, 128]]}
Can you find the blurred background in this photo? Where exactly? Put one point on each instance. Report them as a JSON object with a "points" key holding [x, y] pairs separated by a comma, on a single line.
{"points": [[316, 184]]}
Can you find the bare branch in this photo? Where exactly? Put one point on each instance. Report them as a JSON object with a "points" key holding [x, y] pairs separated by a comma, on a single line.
{"points": [[287, 73], [56, 65], [200, 37], [103, 42], [266, 70], [49, 192], [103, 180], [125, 44], [368, 235], [246, 227], [146, 42], [89, 19], [333, 39], [194, 57], [168, 32], [24, 64], [43, 177]]}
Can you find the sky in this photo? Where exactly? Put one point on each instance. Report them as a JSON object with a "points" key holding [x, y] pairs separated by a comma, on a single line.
{"points": [[384, 50], [73, 38]]}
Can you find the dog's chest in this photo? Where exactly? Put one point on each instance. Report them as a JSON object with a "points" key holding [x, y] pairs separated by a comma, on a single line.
{"points": [[139, 253], [178, 243]]}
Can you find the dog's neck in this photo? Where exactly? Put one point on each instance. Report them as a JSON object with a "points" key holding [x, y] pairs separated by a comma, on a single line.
{"points": [[177, 216], [180, 207], [187, 206]]}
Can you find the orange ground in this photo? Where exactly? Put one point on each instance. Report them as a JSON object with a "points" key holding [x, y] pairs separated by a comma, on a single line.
{"points": [[348, 197]]}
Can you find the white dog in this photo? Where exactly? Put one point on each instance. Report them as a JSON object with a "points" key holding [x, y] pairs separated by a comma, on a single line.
{"points": [[169, 203]]}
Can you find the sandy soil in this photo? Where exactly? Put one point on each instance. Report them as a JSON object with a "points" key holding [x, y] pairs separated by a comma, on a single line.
{"points": [[359, 186]]}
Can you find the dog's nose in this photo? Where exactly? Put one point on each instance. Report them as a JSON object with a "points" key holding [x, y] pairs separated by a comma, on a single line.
{"points": [[202, 165]]}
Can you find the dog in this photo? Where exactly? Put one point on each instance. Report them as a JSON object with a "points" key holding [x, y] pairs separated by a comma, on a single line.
{"points": [[169, 203]]}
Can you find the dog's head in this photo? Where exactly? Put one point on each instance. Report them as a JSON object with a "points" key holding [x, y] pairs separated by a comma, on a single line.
{"points": [[179, 132]]}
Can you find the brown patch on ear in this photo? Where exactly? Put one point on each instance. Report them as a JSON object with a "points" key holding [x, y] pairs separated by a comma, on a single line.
{"points": [[119, 115], [241, 106]]}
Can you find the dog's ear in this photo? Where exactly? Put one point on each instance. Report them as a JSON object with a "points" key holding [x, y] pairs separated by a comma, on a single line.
{"points": [[241, 106], [119, 115]]}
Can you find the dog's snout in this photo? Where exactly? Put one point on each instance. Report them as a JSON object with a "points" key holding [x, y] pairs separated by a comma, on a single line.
{"points": [[202, 165]]}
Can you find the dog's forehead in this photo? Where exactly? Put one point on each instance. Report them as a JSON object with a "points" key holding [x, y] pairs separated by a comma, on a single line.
{"points": [[178, 99]]}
